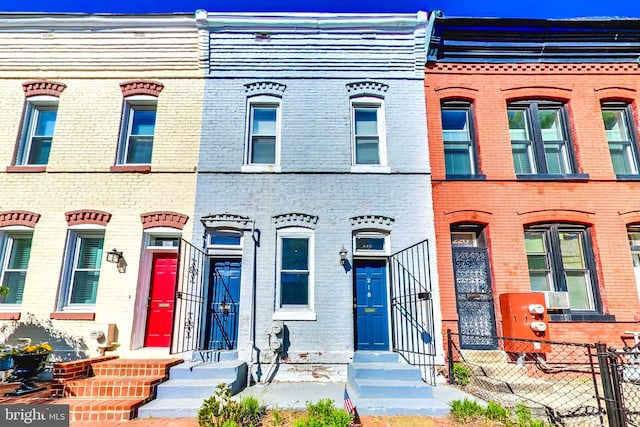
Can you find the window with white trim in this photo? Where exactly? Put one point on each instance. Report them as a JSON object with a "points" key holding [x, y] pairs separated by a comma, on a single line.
{"points": [[37, 130], [15, 250], [370, 243], [295, 270], [263, 131], [368, 132], [621, 136], [81, 270], [138, 128]]}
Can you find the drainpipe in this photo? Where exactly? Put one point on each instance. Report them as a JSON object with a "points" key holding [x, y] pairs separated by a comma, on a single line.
{"points": [[252, 327]]}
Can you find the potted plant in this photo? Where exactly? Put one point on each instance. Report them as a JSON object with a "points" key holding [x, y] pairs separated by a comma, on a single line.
{"points": [[28, 360], [5, 357], [4, 291]]}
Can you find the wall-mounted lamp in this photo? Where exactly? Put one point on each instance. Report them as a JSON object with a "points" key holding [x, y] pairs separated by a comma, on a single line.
{"points": [[343, 255], [114, 256]]}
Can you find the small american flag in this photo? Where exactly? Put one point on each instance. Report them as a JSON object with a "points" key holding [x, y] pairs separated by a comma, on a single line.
{"points": [[348, 406]]}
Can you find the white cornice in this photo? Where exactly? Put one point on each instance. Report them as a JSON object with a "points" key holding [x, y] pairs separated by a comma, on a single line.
{"points": [[14, 22]]}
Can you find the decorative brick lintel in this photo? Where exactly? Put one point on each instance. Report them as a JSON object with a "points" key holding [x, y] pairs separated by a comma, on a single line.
{"points": [[9, 315], [25, 218], [163, 219], [141, 87], [87, 216], [61, 315], [43, 87]]}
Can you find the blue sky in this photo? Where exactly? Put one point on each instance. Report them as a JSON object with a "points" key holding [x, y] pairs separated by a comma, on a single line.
{"points": [[476, 8]]}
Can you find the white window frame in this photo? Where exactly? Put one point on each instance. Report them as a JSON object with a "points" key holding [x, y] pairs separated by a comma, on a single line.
{"points": [[262, 101], [129, 106], [74, 236], [230, 250], [167, 232], [386, 251], [370, 102], [7, 237], [293, 312], [33, 106]]}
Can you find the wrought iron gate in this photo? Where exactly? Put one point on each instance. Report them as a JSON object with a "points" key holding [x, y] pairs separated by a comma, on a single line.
{"points": [[474, 297], [190, 301], [412, 308]]}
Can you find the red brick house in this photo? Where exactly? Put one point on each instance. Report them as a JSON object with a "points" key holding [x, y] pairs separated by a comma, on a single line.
{"points": [[533, 139]]}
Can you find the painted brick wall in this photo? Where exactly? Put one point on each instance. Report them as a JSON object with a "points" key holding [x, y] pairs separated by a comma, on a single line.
{"points": [[506, 205]]}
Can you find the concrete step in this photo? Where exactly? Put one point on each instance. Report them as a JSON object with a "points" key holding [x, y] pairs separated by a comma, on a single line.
{"points": [[213, 371], [511, 384], [170, 408], [214, 355], [375, 357], [497, 369], [377, 388], [195, 389], [479, 357], [392, 406], [380, 370]]}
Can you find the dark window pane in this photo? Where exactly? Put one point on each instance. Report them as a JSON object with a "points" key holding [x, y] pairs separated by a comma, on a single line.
{"points": [[294, 288], [295, 254]]}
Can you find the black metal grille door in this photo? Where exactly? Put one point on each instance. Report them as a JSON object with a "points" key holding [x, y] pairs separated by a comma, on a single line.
{"points": [[476, 313]]}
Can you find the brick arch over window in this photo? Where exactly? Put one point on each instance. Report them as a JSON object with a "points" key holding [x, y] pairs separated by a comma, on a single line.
{"points": [[367, 88], [24, 218], [141, 87], [87, 216], [43, 87], [456, 93], [616, 94], [557, 215], [630, 217], [536, 92], [265, 88], [163, 219], [468, 216]]}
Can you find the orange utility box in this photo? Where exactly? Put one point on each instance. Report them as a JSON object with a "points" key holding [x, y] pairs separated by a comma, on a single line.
{"points": [[524, 315]]}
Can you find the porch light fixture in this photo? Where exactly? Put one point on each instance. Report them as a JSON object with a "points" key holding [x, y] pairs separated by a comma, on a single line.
{"points": [[114, 256], [343, 255]]}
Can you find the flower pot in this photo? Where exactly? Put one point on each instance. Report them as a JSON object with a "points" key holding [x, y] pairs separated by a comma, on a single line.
{"points": [[26, 368], [6, 364]]}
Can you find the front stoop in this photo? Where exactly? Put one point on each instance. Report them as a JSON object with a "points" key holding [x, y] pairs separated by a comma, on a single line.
{"points": [[192, 382], [380, 383], [117, 389]]}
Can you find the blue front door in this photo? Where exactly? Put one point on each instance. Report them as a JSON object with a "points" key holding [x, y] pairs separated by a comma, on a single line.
{"points": [[224, 295], [372, 321]]}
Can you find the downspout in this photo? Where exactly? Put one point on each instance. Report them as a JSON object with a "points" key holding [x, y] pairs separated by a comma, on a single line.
{"points": [[252, 328]]}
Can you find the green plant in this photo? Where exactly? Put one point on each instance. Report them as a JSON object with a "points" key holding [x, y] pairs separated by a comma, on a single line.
{"points": [[220, 411], [461, 374], [4, 291], [276, 417], [323, 414], [524, 418], [495, 412], [466, 410]]}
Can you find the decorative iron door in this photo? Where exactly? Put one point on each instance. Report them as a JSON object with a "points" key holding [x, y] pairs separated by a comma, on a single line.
{"points": [[476, 312], [224, 293]]}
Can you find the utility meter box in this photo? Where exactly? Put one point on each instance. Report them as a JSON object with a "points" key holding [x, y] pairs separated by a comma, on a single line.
{"points": [[524, 316]]}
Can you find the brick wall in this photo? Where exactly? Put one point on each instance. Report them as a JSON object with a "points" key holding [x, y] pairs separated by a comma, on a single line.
{"points": [[506, 205]]}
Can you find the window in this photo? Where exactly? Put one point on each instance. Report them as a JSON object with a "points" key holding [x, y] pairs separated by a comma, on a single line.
{"points": [[458, 138], [138, 127], [560, 259], [368, 132], [37, 130], [539, 138], [295, 270], [263, 145], [82, 269], [370, 243], [620, 136], [15, 250]]}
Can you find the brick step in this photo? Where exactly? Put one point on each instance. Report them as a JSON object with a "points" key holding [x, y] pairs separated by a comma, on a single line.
{"points": [[95, 409], [134, 367], [103, 386]]}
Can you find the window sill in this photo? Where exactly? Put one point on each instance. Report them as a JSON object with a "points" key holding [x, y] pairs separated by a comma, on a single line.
{"points": [[10, 315], [466, 177], [553, 177], [294, 315], [26, 168], [628, 177], [568, 316], [370, 169], [130, 168], [261, 168], [63, 315]]}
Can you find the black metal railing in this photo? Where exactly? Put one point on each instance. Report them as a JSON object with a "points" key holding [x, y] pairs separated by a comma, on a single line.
{"points": [[190, 304], [412, 308]]}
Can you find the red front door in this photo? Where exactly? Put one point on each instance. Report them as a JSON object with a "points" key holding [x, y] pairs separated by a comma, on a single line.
{"points": [[161, 297]]}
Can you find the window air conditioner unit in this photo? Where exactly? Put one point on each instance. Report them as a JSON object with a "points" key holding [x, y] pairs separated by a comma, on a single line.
{"points": [[557, 300]]}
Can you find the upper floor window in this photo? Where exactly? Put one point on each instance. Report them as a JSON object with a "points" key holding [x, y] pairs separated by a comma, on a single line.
{"points": [[15, 249], [263, 136], [560, 259], [81, 270], [369, 144], [540, 142], [138, 128], [37, 130], [458, 138], [621, 137]]}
